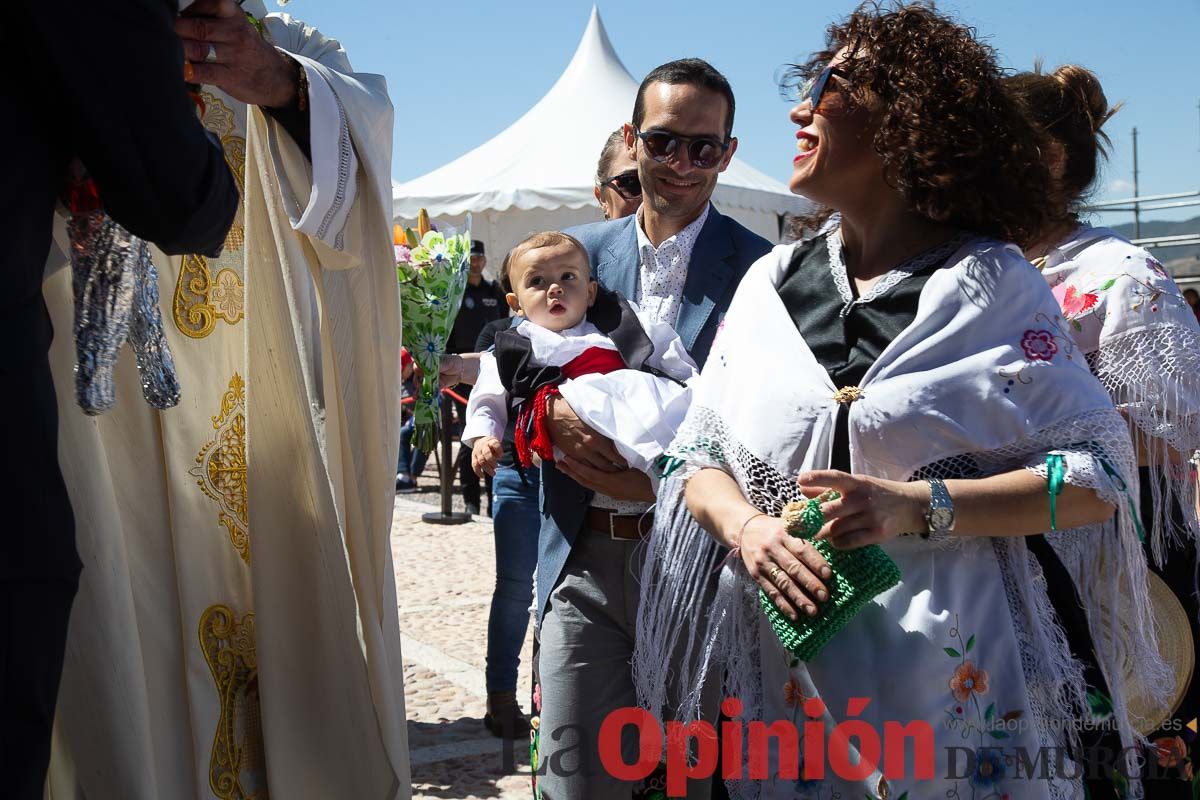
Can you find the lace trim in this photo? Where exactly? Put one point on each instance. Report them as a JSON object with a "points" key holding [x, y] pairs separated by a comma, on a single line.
{"points": [[339, 198], [683, 613], [837, 268]]}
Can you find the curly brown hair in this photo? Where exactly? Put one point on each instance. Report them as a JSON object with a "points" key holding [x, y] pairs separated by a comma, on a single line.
{"points": [[953, 143], [1069, 105]]}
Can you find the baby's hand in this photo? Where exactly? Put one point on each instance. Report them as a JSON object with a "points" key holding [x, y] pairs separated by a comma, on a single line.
{"points": [[484, 455]]}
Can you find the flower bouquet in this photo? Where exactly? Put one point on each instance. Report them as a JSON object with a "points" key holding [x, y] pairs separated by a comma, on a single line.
{"points": [[432, 268]]}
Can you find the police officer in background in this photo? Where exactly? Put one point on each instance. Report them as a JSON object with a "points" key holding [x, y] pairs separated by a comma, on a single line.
{"points": [[482, 303]]}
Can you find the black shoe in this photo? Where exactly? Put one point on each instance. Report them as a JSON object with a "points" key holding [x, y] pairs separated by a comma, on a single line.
{"points": [[473, 509], [405, 484], [504, 718]]}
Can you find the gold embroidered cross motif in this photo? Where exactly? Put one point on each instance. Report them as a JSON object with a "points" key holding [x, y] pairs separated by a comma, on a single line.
{"points": [[237, 767], [848, 394], [200, 299], [221, 467]]}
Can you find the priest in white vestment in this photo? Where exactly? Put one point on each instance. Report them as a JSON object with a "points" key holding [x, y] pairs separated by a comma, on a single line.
{"points": [[235, 634]]}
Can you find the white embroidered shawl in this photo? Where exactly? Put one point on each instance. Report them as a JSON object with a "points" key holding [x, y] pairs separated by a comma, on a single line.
{"points": [[1142, 341], [986, 379]]}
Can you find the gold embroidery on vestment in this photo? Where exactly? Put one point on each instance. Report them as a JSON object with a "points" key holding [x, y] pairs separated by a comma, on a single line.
{"points": [[237, 767], [200, 300], [221, 467]]}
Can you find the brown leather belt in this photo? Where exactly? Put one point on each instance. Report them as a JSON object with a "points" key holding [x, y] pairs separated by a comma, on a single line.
{"points": [[624, 527]]}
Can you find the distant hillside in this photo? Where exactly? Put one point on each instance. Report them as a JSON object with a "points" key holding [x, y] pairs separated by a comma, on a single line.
{"points": [[1160, 228]]}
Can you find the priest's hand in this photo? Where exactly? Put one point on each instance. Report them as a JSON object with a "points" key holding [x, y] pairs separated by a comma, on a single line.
{"points": [[222, 48], [627, 484], [870, 510]]}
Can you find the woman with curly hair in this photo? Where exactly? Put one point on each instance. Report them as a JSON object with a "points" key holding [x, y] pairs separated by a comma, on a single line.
{"points": [[1140, 336], [912, 370]]}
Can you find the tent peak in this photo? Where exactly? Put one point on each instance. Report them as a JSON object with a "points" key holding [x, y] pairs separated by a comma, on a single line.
{"points": [[595, 49]]}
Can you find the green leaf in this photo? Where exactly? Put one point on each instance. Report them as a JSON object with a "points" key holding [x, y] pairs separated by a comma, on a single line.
{"points": [[903, 796], [991, 712], [998, 734], [1108, 284], [970, 643], [1076, 325], [950, 651]]}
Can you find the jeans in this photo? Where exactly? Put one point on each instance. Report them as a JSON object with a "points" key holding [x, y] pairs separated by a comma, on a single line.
{"points": [[516, 520], [412, 462]]}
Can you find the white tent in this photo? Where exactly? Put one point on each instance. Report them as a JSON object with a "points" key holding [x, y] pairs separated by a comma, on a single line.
{"points": [[538, 174]]}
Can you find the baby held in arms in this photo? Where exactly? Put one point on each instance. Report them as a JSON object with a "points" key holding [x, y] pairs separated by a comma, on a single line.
{"points": [[624, 375]]}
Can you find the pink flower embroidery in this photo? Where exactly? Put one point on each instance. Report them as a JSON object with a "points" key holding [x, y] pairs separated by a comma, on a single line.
{"points": [[1039, 345], [1072, 302], [537, 696]]}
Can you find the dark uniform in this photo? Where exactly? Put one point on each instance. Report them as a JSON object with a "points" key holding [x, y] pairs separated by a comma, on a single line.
{"points": [[481, 304], [163, 179]]}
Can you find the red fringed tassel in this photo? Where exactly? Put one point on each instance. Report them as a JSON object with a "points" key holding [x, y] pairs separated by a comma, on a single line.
{"points": [[532, 418]]}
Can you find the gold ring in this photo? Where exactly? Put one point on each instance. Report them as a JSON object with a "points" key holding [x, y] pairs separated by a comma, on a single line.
{"points": [[212, 53], [774, 573]]}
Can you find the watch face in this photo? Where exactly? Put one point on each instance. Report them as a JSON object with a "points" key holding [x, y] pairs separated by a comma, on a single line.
{"points": [[940, 519]]}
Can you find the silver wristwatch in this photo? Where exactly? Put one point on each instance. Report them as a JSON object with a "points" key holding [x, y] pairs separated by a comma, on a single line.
{"points": [[939, 519]]}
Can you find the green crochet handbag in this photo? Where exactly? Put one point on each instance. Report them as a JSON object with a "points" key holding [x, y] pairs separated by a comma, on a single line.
{"points": [[858, 575]]}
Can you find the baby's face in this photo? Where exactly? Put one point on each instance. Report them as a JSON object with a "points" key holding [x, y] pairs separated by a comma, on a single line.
{"points": [[552, 286]]}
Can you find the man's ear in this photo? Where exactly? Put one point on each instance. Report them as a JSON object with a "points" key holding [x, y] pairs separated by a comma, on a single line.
{"points": [[593, 287], [729, 153], [513, 303], [630, 140]]}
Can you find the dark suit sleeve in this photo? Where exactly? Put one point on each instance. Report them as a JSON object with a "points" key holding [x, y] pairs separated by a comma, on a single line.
{"points": [[117, 67], [487, 336]]}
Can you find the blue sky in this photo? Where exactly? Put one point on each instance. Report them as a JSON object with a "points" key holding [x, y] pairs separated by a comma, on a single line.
{"points": [[460, 72]]}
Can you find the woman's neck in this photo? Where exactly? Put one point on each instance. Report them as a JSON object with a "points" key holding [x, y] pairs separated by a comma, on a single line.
{"points": [[875, 240], [1050, 239]]}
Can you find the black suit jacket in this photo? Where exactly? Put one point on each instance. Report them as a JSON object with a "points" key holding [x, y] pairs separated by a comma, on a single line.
{"points": [[101, 81]]}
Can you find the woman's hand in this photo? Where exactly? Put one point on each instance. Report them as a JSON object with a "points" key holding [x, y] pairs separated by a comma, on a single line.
{"points": [[787, 568], [458, 368], [870, 510]]}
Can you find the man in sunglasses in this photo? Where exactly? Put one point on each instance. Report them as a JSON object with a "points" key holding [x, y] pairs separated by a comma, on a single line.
{"points": [[679, 259]]}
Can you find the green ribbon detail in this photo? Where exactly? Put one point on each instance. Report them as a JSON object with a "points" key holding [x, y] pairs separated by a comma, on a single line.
{"points": [[1133, 512], [1054, 479]]}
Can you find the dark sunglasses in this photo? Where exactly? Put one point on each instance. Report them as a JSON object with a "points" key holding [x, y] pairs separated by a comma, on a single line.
{"points": [[626, 184], [704, 152], [814, 87]]}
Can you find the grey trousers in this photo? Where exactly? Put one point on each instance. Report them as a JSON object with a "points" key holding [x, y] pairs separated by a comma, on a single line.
{"points": [[587, 639]]}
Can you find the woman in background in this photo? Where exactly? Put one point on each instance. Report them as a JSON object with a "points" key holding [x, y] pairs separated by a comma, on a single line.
{"points": [[1140, 337]]}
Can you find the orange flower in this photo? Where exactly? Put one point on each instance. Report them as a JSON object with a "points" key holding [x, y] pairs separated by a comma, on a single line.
{"points": [[793, 695], [968, 679], [1170, 751]]}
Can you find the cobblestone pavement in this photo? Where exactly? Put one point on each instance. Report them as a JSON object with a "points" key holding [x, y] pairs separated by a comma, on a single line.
{"points": [[444, 580]]}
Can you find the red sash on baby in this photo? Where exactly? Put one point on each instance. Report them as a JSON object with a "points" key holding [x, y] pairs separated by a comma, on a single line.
{"points": [[532, 417]]}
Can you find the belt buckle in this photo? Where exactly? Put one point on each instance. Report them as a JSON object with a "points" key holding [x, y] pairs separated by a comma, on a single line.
{"points": [[612, 530]]}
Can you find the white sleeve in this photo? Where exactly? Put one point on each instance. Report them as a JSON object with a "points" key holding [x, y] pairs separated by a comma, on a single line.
{"points": [[669, 356], [334, 163], [487, 407]]}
